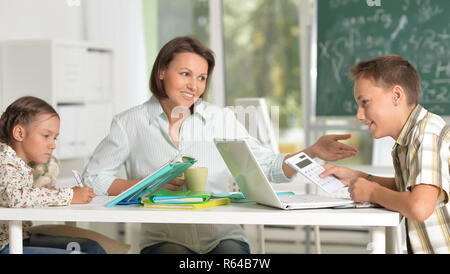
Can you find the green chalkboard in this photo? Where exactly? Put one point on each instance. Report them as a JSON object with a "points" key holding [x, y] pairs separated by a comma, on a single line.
{"points": [[349, 31]]}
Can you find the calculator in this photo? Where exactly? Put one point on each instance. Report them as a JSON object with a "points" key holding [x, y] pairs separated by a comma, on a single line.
{"points": [[311, 170]]}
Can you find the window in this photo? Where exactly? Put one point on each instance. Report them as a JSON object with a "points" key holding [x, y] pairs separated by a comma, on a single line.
{"points": [[181, 17], [262, 59], [166, 19]]}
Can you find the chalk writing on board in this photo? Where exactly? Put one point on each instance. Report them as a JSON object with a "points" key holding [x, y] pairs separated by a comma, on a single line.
{"points": [[350, 31]]}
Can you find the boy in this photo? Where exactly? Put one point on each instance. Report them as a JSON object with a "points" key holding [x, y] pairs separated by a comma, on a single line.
{"points": [[387, 90]]}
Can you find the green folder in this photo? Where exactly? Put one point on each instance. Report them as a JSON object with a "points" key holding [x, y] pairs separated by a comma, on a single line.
{"points": [[154, 181], [211, 203], [164, 196]]}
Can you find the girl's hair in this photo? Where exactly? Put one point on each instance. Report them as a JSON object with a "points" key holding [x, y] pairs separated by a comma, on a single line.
{"points": [[22, 111], [166, 55]]}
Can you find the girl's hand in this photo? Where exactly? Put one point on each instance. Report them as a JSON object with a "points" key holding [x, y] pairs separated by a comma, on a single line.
{"points": [[82, 195]]}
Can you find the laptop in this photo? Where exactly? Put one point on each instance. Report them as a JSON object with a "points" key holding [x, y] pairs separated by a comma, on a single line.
{"points": [[256, 187]]}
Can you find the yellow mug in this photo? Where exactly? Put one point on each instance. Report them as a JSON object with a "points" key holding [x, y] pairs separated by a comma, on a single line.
{"points": [[195, 178]]}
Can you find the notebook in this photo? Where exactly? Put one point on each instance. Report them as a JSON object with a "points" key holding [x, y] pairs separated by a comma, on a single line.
{"points": [[254, 184], [154, 181], [208, 204], [164, 196]]}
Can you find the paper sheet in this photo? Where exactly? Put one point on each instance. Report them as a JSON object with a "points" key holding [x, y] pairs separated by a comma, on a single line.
{"points": [[98, 201]]}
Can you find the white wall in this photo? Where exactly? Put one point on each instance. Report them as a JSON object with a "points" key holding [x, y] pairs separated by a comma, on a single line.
{"points": [[23, 19], [117, 23]]}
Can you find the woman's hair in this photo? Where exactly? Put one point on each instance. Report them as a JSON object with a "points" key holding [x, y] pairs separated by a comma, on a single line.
{"points": [[387, 71], [22, 111], [168, 53]]}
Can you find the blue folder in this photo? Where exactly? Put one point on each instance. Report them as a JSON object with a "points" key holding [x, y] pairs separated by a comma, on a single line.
{"points": [[153, 182]]}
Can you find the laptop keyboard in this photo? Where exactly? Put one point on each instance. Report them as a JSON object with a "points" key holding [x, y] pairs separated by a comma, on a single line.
{"points": [[322, 201], [358, 205], [308, 199]]}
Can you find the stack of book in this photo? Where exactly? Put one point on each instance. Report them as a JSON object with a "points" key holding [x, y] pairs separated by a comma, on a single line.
{"points": [[182, 199]]}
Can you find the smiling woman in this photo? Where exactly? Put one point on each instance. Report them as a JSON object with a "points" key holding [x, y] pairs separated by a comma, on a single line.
{"points": [[185, 80], [180, 77], [200, 55], [176, 121]]}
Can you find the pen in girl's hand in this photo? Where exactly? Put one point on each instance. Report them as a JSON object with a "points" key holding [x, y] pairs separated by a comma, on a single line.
{"points": [[78, 178]]}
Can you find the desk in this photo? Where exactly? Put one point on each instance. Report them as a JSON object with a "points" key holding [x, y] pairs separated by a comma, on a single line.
{"points": [[230, 214]]}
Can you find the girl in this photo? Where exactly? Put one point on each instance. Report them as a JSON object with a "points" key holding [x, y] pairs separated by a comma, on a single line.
{"points": [[28, 130]]}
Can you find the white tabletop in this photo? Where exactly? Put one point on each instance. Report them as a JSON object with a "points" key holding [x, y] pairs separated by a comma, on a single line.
{"points": [[234, 213], [230, 214]]}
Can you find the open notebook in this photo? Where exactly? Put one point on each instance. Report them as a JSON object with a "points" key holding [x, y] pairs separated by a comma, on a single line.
{"points": [[153, 182]]}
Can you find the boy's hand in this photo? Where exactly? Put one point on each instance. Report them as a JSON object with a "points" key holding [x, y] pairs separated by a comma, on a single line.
{"points": [[329, 149], [361, 190], [344, 174], [82, 195]]}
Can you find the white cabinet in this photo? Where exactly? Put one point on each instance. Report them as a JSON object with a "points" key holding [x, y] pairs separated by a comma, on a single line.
{"points": [[69, 64], [76, 78], [72, 140]]}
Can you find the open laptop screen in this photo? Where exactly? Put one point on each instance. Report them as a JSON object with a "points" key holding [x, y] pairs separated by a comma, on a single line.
{"points": [[246, 171]]}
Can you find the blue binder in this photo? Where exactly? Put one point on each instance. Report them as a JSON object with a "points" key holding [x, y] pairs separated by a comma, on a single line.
{"points": [[153, 182]]}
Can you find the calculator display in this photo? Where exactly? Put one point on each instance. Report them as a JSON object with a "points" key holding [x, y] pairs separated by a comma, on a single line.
{"points": [[303, 163]]}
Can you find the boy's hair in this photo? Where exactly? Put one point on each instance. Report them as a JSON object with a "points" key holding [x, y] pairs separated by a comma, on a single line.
{"points": [[387, 71], [22, 111], [166, 55]]}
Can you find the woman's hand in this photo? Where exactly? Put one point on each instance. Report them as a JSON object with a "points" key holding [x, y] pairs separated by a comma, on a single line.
{"points": [[329, 149], [175, 184]]}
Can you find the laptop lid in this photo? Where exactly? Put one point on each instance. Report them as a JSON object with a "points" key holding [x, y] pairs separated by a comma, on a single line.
{"points": [[247, 172]]}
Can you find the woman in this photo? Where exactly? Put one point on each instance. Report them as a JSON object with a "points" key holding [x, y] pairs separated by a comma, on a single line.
{"points": [[177, 121]]}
